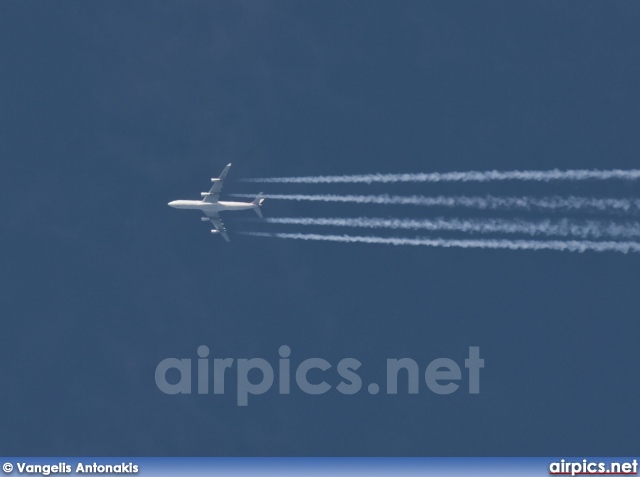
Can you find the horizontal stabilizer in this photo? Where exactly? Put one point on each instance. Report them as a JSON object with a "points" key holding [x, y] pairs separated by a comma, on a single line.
{"points": [[257, 203]]}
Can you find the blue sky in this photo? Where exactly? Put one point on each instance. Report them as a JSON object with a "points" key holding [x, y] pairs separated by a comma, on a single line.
{"points": [[108, 110]]}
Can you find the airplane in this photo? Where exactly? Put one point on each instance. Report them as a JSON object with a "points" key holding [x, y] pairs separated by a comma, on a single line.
{"points": [[210, 205]]}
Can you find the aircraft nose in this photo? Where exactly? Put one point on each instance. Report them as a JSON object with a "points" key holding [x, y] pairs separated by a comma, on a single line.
{"points": [[172, 203]]}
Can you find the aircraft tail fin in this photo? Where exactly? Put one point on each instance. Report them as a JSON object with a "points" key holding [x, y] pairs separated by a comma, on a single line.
{"points": [[257, 203]]}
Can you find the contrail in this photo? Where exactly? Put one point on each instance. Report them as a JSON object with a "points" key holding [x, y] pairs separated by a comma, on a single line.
{"points": [[559, 245], [470, 176], [485, 203], [563, 227]]}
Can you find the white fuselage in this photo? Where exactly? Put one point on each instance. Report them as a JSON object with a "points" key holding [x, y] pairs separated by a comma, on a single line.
{"points": [[210, 206]]}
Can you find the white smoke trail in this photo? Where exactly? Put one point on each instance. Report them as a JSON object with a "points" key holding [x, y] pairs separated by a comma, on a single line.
{"points": [[485, 203], [559, 245], [563, 227], [470, 176]]}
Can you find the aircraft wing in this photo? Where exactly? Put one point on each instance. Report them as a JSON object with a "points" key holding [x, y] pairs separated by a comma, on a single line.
{"points": [[217, 223], [214, 192]]}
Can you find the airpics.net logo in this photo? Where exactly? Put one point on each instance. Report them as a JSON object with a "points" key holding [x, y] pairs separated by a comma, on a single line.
{"points": [[256, 376]]}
